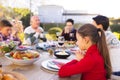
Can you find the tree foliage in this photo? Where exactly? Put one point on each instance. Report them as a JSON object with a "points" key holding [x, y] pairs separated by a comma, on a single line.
{"points": [[115, 24], [9, 13], [21, 11]]}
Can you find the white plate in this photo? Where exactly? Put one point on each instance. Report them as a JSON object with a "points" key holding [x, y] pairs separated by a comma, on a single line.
{"points": [[47, 65]]}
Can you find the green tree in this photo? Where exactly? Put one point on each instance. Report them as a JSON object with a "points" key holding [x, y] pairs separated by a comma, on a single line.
{"points": [[22, 14]]}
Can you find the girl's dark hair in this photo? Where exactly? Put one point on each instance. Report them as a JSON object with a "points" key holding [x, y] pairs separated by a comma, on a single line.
{"points": [[103, 20], [4, 23], [70, 20], [97, 36]]}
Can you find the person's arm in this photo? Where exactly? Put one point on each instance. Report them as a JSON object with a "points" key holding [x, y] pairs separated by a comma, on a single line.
{"points": [[74, 67], [75, 35], [62, 34], [1, 39], [31, 36], [17, 39], [42, 30], [66, 35], [39, 31], [36, 35]]}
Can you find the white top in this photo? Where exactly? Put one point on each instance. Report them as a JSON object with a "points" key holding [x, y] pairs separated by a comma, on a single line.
{"points": [[30, 30], [112, 40], [114, 50]]}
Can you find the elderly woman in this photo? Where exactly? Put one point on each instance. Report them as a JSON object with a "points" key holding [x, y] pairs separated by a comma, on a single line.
{"points": [[17, 29]]}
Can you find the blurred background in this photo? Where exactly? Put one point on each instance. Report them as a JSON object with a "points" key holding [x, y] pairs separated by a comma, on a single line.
{"points": [[53, 13]]}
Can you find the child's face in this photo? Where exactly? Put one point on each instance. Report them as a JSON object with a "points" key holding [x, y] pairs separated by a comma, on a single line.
{"points": [[6, 31], [80, 42]]}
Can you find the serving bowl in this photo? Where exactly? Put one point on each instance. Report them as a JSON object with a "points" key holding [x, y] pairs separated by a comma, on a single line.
{"points": [[23, 57]]}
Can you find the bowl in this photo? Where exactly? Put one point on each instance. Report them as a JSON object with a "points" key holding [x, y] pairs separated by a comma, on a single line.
{"points": [[62, 54], [22, 61]]}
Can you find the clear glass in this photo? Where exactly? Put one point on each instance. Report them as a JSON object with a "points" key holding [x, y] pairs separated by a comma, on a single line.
{"points": [[58, 34], [61, 41]]}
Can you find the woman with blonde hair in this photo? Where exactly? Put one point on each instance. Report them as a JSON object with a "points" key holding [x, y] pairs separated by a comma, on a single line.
{"points": [[17, 30]]}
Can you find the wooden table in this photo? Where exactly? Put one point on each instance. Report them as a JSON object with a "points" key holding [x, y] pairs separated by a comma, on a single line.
{"points": [[36, 71]]}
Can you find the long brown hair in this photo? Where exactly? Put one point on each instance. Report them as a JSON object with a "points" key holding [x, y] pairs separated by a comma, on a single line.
{"points": [[97, 36]]}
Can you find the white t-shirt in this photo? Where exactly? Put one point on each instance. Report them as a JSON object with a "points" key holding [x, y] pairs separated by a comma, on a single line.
{"points": [[114, 50], [112, 40], [30, 30]]}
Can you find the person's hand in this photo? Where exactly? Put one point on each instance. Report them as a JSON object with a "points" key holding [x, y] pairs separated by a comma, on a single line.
{"points": [[14, 32], [66, 30], [79, 55], [38, 31]]}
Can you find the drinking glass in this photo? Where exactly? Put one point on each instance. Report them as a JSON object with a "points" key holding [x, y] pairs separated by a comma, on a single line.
{"points": [[61, 41], [58, 34]]}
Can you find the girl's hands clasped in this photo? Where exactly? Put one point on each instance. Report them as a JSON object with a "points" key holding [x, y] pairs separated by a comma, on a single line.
{"points": [[79, 55]]}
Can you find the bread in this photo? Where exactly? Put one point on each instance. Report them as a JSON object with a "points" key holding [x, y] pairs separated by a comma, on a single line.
{"points": [[1, 76], [4, 76], [8, 77]]}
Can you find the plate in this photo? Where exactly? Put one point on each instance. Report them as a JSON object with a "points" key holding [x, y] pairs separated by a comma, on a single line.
{"points": [[23, 48], [43, 46], [48, 64], [44, 65]]}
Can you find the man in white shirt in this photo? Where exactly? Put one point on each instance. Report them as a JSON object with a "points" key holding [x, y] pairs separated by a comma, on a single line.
{"points": [[113, 43], [102, 22], [33, 32]]}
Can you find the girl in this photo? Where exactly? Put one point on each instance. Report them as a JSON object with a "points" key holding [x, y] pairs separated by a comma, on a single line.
{"points": [[113, 43], [95, 63]]}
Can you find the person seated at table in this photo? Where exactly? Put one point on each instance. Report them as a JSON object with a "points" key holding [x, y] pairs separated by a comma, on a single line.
{"points": [[6, 32], [69, 31], [18, 29], [113, 43], [33, 33], [102, 22], [94, 63]]}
